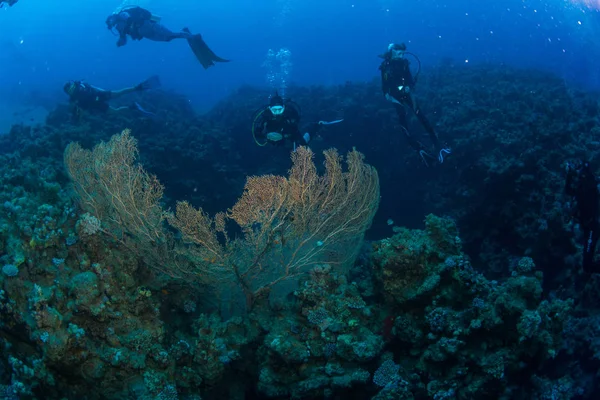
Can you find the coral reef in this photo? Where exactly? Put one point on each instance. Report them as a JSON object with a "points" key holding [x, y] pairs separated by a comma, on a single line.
{"points": [[463, 335], [497, 310]]}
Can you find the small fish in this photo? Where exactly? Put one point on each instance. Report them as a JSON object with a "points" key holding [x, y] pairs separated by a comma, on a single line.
{"points": [[390, 221]]}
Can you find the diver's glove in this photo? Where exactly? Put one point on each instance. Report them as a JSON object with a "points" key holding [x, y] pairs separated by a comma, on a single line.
{"points": [[442, 153], [306, 137]]}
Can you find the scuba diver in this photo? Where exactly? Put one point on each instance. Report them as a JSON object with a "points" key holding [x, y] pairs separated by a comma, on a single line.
{"points": [[139, 23], [279, 124], [397, 84], [9, 2], [581, 183], [85, 97]]}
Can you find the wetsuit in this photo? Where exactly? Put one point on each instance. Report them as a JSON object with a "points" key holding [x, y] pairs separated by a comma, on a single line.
{"points": [[286, 124], [581, 183], [397, 82], [131, 25], [89, 98], [138, 23]]}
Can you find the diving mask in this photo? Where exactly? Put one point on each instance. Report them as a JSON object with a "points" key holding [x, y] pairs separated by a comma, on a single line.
{"points": [[396, 51], [397, 54], [277, 110]]}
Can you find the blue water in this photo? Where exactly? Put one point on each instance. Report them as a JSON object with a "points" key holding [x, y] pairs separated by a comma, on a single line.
{"points": [[43, 43]]}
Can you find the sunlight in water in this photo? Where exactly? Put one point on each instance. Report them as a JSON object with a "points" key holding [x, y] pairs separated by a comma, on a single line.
{"points": [[593, 4]]}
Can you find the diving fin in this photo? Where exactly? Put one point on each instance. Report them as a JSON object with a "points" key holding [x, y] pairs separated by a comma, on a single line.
{"points": [[151, 83], [202, 52]]}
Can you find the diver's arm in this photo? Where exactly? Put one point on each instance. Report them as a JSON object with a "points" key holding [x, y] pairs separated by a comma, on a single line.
{"points": [[293, 132], [122, 39], [261, 125], [261, 131], [291, 114], [384, 78], [314, 127], [408, 78]]}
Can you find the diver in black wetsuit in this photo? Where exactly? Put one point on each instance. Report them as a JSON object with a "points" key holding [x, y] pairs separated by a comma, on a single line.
{"points": [[9, 2], [581, 183], [85, 97], [279, 124], [397, 83], [139, 23]]}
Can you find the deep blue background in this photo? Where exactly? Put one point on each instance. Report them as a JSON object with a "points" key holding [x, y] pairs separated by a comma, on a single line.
{"points": [[45, 43]]}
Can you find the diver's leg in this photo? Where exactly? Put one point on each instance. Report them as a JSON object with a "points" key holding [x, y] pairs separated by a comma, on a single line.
{"points": [[442, 149], [425, 122], [180, 35], [121, 92], [159, 33], [401, 112], [412, 142]]}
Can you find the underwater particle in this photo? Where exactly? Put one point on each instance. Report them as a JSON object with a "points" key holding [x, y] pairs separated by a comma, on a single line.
{"points": [[10, 270], [390, 221]]}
